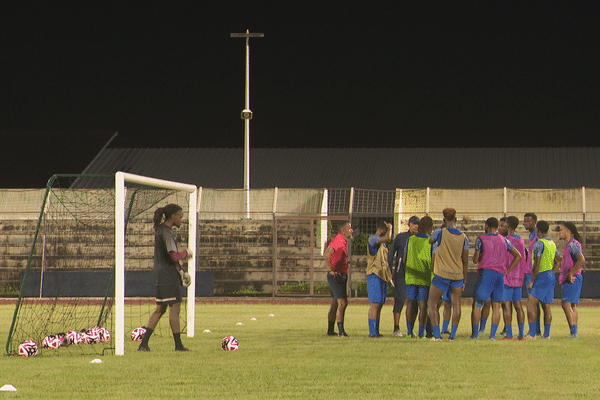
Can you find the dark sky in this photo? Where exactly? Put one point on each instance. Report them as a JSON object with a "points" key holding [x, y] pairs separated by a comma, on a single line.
{"points": [[167, 74]]}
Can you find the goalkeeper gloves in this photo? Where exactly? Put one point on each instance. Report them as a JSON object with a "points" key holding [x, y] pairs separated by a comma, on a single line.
{"points": [[186, 279]]}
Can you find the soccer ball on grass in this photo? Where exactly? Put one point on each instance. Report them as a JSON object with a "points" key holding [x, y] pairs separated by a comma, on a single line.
{"points": [[28, 348], [230, 343]]}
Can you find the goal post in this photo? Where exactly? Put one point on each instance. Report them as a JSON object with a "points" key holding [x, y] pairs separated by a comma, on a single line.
{"points": [[121, 179], [89, 268]]}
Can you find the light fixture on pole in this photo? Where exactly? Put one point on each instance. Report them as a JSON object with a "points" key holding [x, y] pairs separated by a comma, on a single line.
{"points": [[247, 116]]}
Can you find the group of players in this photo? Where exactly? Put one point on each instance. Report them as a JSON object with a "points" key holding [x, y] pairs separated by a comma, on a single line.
{"points": [[428, 269]]}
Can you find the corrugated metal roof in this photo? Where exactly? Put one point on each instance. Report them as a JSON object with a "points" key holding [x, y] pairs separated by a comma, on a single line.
{"points": [[369, 168]]}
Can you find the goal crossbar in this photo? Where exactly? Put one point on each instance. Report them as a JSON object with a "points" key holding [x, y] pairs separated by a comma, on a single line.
{"points": [[121, 178]]}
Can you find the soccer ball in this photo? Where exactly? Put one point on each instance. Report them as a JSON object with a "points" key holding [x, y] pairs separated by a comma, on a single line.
{"points": [[230, 343], [51, 342], [138, 333], [103, 333], [90, 336], [74, 337], [28, 348]]}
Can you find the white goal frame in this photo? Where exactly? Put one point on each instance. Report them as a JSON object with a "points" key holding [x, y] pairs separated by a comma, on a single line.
{"points": [[120, 195]]}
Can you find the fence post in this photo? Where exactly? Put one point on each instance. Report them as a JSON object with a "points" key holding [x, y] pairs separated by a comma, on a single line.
{"points": [[350, 207], [505, 202], [274, 255], [584, 230], [427, 201]]}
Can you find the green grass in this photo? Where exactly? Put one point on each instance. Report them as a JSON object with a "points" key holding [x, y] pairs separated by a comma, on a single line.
{"points": [[289, 356]]}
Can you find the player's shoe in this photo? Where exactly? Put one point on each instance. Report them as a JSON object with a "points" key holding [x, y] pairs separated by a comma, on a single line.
{"points": [[181, 349], [492, 337], [144, 348], [573, 336], [507, 338], [398, 333], [331, 334], [528, 337], [474, 338], [343, 334], [435, 339], [545, 337]]}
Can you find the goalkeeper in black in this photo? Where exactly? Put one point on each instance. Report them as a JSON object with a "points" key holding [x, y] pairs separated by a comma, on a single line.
{"points": [[168, 273]]}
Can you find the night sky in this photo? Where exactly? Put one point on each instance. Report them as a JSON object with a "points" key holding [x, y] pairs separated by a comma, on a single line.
{"points": [[168, 74]]}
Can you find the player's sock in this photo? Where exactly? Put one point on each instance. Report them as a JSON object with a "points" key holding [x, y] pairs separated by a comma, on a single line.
{"points": [[436, 332], [482, 324], [372, 327], [532, 328], [493, 331], [422, 330], [409, 328], [397, 327], [509, 332], [538, 329], [547, 330], [178, 344], [146, 337], [521, 326], [453, 331], [330, 328], [574, 330], [377, 327], [445, 325], [428, 329], [340, 328], [475, 331]]}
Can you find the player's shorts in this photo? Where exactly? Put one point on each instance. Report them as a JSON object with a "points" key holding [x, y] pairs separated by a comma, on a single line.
{"points": [[377, 289], [399, 291], [338, 285], [513, 293], [417, 292], [490, 285], [571, 292], [527, 280], [168, 294], [446, 295], [543, 287], [446, 285]]}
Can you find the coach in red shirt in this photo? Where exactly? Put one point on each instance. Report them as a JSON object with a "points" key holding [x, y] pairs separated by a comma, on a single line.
{"points": [[336, 257]]}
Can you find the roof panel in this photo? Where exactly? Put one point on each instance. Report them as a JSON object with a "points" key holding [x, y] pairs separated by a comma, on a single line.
{"points": [[369, 168]]}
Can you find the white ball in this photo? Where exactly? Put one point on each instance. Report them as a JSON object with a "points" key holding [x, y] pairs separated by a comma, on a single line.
{"points": [[138, 333], [74, 337], [28, 348], [51, 342], [230, 343]]}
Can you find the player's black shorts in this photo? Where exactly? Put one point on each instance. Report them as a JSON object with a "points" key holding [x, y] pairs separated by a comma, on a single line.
{"points": [[168, 294], [338, 285]]}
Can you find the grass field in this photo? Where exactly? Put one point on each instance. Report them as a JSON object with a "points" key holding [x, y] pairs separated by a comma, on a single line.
{"points": [[288, 355]]}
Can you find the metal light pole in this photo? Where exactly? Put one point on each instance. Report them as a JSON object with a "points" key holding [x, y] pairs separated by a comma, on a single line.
{"points": [[247, 116]]}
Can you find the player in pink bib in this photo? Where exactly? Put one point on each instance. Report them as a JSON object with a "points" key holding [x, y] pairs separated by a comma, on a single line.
{"points": [[513, 282], [571, 275]]}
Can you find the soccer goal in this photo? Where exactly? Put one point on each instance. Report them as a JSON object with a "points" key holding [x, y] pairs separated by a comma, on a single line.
{"points": [[88, 280]]}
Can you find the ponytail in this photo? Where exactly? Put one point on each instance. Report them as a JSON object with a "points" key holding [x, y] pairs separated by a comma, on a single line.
{"points": [[165, 211]]}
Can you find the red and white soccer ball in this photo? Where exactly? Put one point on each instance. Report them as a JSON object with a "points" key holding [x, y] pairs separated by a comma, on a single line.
{"points": [[74, 337], [51, 342], [230, 343], [28, 348], [103, 333], [138, 333], [90, 336]]}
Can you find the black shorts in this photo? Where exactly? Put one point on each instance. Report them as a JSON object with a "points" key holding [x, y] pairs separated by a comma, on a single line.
{"points": [[168, 294], [338, 285]]}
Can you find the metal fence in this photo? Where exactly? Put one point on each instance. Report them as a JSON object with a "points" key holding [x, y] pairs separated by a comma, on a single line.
{"points": [[280, 237]]}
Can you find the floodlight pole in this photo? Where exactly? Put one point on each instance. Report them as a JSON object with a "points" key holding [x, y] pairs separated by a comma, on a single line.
{"points": [[247, 116]]}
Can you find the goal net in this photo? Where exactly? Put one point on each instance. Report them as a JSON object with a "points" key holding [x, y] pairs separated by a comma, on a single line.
{"points": [[90, 266]]}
